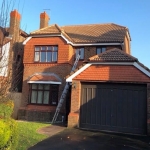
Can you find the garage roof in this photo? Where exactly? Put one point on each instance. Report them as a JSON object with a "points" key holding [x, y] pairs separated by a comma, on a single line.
{"points": [[111, 57]]}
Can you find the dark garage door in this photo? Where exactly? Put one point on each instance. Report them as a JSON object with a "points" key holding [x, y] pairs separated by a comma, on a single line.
{"points": [[113, 107]]}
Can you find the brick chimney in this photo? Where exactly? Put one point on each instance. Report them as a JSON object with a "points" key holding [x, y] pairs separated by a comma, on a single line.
{"points": [[44, 19], [15, 18]]}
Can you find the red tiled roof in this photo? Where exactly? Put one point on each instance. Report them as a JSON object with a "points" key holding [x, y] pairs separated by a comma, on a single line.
{"points": [[118, 73], [113, 55], [94, 33], [53, 29], [44, 77]]}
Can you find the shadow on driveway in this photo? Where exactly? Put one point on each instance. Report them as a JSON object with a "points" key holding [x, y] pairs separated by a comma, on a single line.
{"points": [[75, 139]]}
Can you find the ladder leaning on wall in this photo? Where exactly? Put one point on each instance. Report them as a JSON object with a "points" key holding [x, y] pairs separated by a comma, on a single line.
{"points": [[64, 93]]}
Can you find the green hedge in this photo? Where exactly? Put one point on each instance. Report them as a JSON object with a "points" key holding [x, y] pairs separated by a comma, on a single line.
{"points": [[6, 108], [8, 126]]}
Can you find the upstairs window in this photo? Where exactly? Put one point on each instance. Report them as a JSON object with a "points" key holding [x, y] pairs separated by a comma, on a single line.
{"points": [[46, 53], [100, 50], [81, 52]]}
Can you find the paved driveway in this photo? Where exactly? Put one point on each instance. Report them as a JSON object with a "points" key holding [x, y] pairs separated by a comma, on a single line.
{"points": [[75, 139]]}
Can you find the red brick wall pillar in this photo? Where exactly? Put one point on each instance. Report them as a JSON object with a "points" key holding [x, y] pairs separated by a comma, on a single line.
{"points": [[148, 108], [73, 118]]}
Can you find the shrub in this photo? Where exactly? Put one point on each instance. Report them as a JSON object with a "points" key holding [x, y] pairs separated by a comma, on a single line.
{"points": [[5, 133], [8, 134], [6, 108], [8, 126]]}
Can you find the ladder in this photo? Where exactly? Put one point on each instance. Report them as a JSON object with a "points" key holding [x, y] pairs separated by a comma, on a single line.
{"points": [[64, 93]]}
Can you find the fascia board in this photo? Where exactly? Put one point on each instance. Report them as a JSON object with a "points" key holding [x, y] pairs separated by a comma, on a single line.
{"points": [[26, 40], [44, 82], [141, 69], [69, 79]]}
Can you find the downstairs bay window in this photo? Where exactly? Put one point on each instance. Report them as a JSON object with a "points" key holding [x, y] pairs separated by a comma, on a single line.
{"points": [[44, 94]]}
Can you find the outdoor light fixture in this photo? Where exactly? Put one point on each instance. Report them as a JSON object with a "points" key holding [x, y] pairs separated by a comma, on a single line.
{"points": [[74, 85]]}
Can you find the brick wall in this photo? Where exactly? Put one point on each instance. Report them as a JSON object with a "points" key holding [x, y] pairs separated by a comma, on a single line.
{"points": [[63, 48], [126, 46], [73, 117]]}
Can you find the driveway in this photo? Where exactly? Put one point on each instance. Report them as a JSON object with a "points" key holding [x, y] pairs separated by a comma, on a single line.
{"points": [[75, 139]]}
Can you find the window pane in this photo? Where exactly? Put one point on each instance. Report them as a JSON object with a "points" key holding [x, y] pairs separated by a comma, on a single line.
{"points": [[82, 53], [49, 56], [40, 86], [54, 87], [77, 52], [43, 48], [103, 49], [46, 86], [54, 97], [98, 50], [34, 86], [33, 96], [49, 48], [37, 48], [46, 97], [43, 57], [36, 57], [54, 56], [55, 48], [39, 99]]}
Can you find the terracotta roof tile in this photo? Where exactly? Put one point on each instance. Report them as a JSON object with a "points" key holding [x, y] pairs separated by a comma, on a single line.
{"points": [[53, 29], [113, 55], [44, 77], [94, 33]]}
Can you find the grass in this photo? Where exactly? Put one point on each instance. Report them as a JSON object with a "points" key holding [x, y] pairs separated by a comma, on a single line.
{"points": [[28, 135]]}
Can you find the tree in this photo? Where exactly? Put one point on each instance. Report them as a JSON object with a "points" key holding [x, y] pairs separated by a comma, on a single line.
{"points": [[11, 49], [11, 68]]}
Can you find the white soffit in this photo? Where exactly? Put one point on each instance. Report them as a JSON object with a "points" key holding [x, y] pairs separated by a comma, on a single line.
{"points": [[44, 82], [141, 69], [69, 79], [26, 40]]}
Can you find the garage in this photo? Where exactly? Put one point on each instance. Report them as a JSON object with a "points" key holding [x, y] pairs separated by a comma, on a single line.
{"points": [[116, 107]]}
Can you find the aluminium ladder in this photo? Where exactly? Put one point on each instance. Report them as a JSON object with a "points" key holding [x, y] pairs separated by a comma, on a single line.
{"points": [[64, 93]]}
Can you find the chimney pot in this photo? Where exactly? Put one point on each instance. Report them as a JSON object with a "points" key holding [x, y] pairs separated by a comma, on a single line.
{"points": [[15, 14], [44, 19]]}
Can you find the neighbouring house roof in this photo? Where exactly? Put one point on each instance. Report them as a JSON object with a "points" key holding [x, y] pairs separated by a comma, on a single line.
{"points": [[93, 33], [111, 57], [3, 37], [44, 78]]}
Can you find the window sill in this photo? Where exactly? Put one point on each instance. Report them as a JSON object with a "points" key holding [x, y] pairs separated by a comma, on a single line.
{"points": [[43, 108], [45, 62]]}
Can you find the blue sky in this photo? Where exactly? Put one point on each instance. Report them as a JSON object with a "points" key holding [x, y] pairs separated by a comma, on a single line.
{"points": [[134, 14]]}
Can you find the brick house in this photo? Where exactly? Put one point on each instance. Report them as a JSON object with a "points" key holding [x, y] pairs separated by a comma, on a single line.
{"points": [[107, 82], [11, 51]]}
